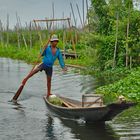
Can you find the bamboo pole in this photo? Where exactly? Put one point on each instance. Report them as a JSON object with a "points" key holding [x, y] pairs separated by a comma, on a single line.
{"points": [[17, 29], [52, 20], [83, 12], [73, 13], [76, 37], [7, 30], [64, 43], [87, 15], [62, 22], [79, 14], [47, 25], [127, 35], [48, 20], [39, 34], [50, 25], [130, 62], [24, 40], [26, 27], [72, 38], [30, 32], [64, 37], [1, 35], [116, 42], [53, 13]]}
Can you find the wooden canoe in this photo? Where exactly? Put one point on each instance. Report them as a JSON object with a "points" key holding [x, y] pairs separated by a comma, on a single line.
{"points": [[73, 109]]}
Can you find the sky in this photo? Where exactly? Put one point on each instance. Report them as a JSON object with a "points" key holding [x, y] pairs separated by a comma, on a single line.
{"points": [[28, 10]]}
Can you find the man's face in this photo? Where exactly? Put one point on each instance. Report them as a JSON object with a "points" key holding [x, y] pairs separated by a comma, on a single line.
{"points": [[54, 43]]}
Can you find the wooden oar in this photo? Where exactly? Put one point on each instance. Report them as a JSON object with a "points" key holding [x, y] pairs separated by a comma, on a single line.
{"points": [[23, 84]]}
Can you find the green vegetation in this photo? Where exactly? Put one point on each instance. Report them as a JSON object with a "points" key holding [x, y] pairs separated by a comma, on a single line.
{"points": [[128, 87], [114, 33], [55, 101], [30, 56]]}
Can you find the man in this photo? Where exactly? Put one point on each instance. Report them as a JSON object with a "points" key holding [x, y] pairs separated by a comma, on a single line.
{"points": [[50, 54]]}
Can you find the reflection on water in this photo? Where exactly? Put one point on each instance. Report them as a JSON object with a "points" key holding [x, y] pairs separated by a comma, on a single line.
{"points": [[128, 128], [87, 131], [29, 119], [72, 129], [50, 129]]}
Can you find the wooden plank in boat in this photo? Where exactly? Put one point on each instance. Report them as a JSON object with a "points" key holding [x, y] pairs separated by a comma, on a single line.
{"points": [[68, 104]]}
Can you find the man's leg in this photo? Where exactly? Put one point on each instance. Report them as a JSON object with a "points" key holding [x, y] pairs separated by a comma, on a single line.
{"points": [[36, 70], [49, 85]]}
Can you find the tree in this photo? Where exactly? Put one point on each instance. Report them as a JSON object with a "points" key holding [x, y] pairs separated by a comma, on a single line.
{"points": [[117, 25]]}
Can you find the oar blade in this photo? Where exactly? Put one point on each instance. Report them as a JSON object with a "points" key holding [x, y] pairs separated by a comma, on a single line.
{"points": [[18, 93]]}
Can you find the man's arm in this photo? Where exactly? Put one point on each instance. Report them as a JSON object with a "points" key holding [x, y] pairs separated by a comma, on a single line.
{"points": [[61, 61]]}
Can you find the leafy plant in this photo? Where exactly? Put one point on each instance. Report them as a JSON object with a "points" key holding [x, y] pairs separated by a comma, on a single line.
{"points": [[128, 87]]}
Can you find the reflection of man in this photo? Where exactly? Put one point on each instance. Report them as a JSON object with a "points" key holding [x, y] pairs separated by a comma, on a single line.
{"points": [[50, 54], [49, 129]]}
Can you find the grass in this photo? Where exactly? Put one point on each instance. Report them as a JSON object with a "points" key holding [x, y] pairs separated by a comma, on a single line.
{"points": [[31, 55]]}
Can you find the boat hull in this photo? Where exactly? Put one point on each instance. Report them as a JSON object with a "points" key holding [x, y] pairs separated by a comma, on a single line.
{"points": [[91, 114]]}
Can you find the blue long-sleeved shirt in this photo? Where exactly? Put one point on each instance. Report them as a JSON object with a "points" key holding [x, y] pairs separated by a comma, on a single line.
{"points": [[49, 58]]}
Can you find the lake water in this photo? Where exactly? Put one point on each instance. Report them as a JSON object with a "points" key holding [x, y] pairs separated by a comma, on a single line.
{"points": [[30, 119]]}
